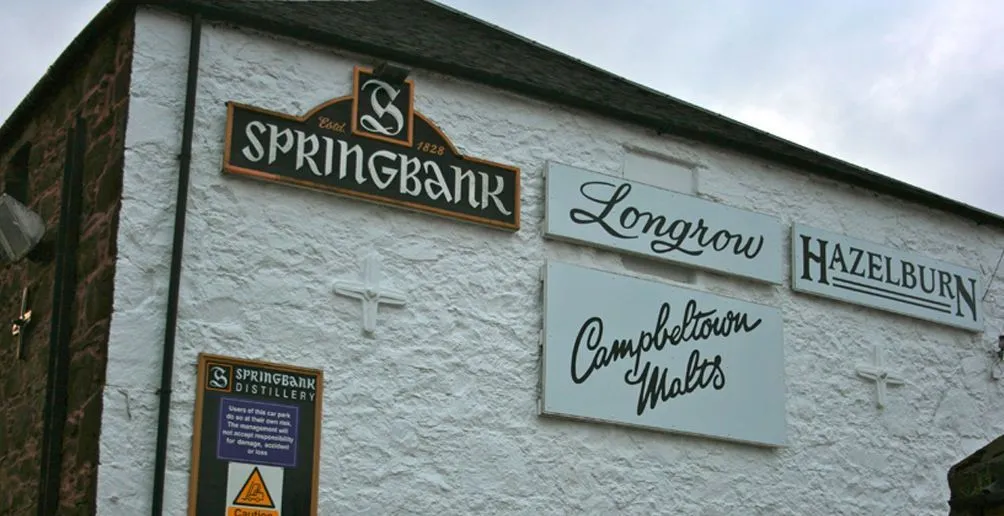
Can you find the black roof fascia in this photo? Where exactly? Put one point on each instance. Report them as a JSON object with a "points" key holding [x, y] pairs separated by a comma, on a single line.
{"points": [[704, 127]]}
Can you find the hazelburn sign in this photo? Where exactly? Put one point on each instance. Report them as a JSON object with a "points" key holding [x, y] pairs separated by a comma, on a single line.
{"points": [[372, 145], [856, 271]]}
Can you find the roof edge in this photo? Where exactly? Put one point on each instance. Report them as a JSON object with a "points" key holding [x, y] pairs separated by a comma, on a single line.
{"points": [[64, 65], [652, 91], [883, 183], [833, 168]]}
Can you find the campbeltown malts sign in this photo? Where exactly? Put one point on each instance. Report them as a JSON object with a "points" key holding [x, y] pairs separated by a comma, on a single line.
{"points": [[636, 352], [865, 273], [613, 213], [256, 442], [372, 145]]}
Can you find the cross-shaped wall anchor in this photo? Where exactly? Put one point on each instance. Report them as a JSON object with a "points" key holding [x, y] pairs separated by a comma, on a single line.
{"points": [[19, 326], [369, 292], [879, 374]]}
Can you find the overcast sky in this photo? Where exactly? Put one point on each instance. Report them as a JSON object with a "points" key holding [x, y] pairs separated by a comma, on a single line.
{"points": [[913, 89]]}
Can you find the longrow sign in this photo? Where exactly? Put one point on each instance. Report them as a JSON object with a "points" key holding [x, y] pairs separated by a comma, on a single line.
{"points": [[868, 274], [643, 353], [372, 145], [613, 213]]}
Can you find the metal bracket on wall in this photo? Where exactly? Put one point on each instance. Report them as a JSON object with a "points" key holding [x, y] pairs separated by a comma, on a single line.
{"points": [[19, 326]]}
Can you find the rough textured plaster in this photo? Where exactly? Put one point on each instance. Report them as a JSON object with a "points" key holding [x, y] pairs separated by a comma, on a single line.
{"points": [[437, 412]]}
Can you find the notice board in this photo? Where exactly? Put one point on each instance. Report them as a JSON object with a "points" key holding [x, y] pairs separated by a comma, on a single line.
{"points": [[256, 439]]}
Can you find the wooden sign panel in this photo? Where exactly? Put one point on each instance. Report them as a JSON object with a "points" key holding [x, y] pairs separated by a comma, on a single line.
{"points": [[642, 353], [256, 442], [372, 145], [856, 271], [613, 213]]}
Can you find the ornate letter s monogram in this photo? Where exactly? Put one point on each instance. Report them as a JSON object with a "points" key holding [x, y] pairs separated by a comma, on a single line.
{"points": [[219, 377], [373, 124]]}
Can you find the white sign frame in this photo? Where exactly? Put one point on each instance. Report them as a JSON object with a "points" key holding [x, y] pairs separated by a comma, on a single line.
{"points": [[618, 214], [857, 257], [742, 398]]}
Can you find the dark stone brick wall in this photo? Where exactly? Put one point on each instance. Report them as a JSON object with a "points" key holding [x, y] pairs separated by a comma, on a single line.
{"points": [[98, 89], [977, 482]]}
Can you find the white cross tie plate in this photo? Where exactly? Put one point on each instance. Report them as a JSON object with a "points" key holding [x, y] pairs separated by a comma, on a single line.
{"points": [[881, 375], [370, 292]]}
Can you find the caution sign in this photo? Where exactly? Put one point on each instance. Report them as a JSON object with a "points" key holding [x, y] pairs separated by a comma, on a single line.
{"points": [[256, 439], [255, 492], [249, 489]]}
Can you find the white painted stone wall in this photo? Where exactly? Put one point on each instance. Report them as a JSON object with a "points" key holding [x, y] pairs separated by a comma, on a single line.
{"points": [[437, 413]]}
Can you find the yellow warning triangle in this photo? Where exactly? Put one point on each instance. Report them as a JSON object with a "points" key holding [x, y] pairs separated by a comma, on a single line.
{"points": [[254, 493]]}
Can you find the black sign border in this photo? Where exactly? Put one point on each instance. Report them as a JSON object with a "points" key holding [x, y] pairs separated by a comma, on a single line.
{"points": [[344, 192], [207, 359]]}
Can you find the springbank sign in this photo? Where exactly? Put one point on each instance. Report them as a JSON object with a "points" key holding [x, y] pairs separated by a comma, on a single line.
{"points": [[372, 145], [256, 441], [860, 272]]}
